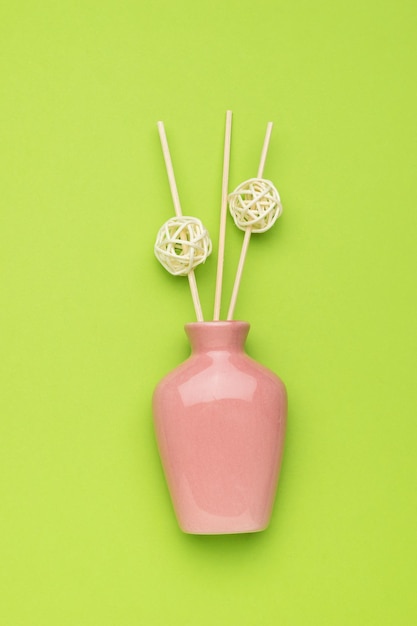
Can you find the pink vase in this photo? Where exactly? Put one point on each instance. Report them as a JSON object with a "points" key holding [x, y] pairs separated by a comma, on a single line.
{"points": [[220, 423]]}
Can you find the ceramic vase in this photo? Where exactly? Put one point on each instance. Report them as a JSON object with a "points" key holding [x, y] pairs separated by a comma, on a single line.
{"points": [[220, 423]]}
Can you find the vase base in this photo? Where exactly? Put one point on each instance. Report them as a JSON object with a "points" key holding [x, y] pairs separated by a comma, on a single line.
{"points": [[222, 525], [248, 531]]}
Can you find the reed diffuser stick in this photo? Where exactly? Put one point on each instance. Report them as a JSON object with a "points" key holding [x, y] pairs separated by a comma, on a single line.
{"points": [[223, 215], [248, 230], [177, 207]]}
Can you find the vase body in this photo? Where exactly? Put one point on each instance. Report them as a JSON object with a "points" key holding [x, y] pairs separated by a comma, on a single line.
{"points": [[220, 422]]}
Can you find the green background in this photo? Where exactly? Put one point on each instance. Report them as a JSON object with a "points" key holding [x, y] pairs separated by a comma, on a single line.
{"points": [[90, 322]]}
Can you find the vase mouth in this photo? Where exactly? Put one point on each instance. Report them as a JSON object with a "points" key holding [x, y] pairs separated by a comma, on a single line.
{"points": [[216, 323], [217, 335]]}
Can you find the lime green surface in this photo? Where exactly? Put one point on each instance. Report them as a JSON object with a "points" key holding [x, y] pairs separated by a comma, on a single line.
{"points": [[90, 322]]}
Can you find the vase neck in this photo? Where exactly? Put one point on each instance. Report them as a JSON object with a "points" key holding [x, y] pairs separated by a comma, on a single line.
{"points": [[217, 336]]}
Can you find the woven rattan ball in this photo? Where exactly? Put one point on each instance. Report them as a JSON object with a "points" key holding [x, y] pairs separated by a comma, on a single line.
{"points": [[255, 203], [182, 243]]}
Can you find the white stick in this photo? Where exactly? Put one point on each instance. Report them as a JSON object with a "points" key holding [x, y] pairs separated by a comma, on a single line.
{"points": [[170, 169], [248, 231], [239, 272], [194, 294], [177, 206], [265, 149], [223, 216]]}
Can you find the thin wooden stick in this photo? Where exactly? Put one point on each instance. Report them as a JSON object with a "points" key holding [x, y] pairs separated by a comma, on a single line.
{"points": [[178, 212], [265, 149], [170, 169], [223, 216], [239, 272], [248, 230]]}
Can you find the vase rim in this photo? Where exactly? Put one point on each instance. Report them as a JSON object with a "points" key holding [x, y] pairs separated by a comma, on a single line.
{"points": [[217, 335], [217, 323]]}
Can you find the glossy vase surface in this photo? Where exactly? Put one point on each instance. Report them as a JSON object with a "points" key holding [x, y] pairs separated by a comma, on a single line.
{"points": [[220, 422]]}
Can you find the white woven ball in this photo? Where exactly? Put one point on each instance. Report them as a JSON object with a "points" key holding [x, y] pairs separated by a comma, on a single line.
{"points": [[182, 243], [255, 203]]}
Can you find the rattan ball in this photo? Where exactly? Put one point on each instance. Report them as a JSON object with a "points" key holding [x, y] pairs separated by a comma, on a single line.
{"points": [[255, 203], [182, 243]]}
